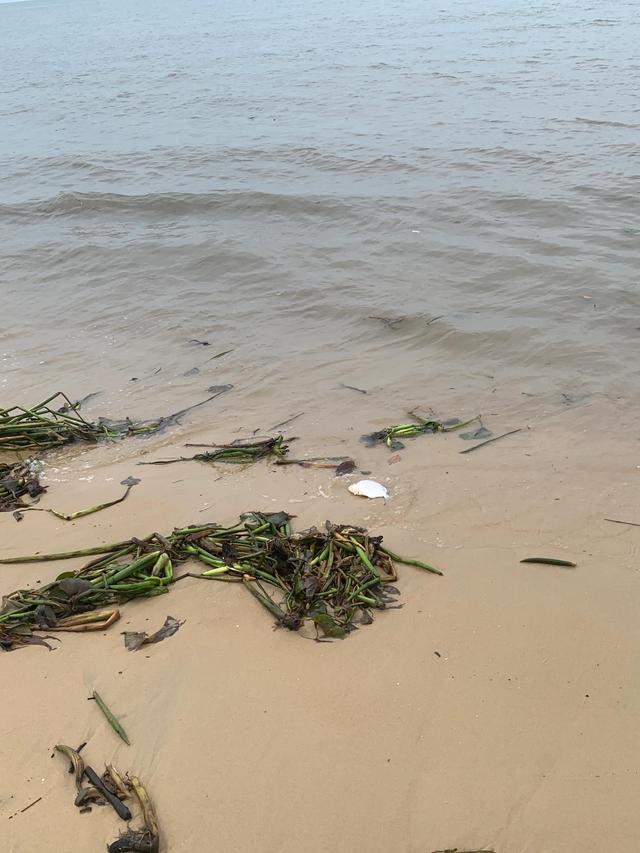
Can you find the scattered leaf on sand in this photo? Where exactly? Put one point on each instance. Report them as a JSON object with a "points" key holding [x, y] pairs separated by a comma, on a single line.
{"points": [[477, 434], [134, 640]]}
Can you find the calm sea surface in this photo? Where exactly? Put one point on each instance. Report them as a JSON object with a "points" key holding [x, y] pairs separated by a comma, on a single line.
{"points": [[310, 184]]}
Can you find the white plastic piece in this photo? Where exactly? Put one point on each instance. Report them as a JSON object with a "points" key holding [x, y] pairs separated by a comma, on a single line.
{"points": [[369, 489]]}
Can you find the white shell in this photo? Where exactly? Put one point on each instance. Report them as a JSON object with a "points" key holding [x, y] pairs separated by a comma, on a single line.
{"points": [[369, 489]]}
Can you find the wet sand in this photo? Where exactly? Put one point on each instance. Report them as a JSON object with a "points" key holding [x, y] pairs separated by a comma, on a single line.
{"points": [[519, 735]]}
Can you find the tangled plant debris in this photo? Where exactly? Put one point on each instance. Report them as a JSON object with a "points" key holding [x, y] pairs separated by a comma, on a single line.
{"points": [[44, 426], [392, 435], [334, 577], [238, 452], [114, 789], [18, 480]]}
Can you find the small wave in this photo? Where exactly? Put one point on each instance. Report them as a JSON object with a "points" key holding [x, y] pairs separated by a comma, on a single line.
{"points": [[188, 158], [512, 156], [605, 123], [174, 204]]}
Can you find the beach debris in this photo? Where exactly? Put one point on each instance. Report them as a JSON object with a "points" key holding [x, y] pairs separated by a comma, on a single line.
{"points": [[423, 426], [457, 850], [114, 781], [477, 434], [369, 489], [353, 388], [112, 788], [66, 555], [134, 640], [220, 354], [110, 717], [388, 322], [238, 452], [333, 577], [92, 620], [17, 480], [629, 523], [76, 764], [90, 793], [287, 422], [340, 464], [21, 635], [130, 482], [73, 407], [43, 427], [147, 839], [202, 343], [114, 801], [34, 803], [491, 440], [549, 561]]}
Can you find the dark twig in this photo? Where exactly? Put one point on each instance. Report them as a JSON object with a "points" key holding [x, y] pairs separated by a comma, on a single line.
{"points": [[353, 388], [287, 422], [119, 807], [26, 808]]}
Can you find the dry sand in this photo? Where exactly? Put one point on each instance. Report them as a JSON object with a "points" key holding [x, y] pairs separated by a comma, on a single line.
{"points": [[519, 735]]}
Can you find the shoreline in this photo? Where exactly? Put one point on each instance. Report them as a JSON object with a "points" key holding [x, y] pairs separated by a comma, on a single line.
{"points": [[516, 737]]}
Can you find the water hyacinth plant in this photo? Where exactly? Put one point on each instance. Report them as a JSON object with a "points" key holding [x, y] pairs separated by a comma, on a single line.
{"points": [[48, 424], [392, 435], [333, 577]]}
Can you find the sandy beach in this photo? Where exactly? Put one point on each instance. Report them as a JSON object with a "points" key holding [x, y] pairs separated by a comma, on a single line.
{"points": [[342, 213], [496, 710]]}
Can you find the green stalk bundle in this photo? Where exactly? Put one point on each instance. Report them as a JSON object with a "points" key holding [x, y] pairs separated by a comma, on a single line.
{"points": [[332, 577]]}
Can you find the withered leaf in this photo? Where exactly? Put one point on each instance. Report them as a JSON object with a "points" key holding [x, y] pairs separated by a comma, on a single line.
{"points": [[345, 467], [134, 640], [130, 481], [74, 586]]}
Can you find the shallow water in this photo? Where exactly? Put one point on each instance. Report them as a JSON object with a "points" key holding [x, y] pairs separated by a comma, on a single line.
{"points": [[272, 177]]}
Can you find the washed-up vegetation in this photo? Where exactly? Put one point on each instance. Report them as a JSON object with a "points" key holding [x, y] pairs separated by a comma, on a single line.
{"points": [[239, 452], [491, 440], [549, 561], [135, 640], [333, 577], [114, 789], [341, 465], [110, 717], [18, 480], [129, 483], [392, 435], [57, 421]]}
